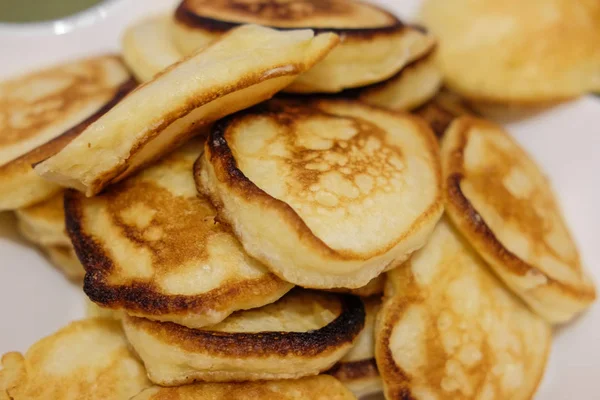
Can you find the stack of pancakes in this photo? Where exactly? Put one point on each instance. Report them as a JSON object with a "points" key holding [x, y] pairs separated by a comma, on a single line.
{"points": [[236, 243]]}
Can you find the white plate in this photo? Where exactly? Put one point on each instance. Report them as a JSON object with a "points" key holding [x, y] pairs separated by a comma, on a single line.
{"points": [[35, 300]]}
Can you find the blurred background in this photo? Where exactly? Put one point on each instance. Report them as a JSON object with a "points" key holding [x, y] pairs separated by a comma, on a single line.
{"points": [[15, 11]]}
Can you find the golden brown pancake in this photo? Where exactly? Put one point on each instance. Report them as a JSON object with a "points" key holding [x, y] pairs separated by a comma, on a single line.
{"points": [[260, 62], [43, 112], [301, 334], [326, 193], [322, 387], [375, 45], [501, 201], [413, 85], [44, 223], [441, 110], [87, 359], [148, 48], [449, 329], [358, 369], [519, 52], [152, 248]]}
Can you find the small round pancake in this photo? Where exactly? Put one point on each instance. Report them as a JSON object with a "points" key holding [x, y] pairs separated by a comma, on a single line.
{"points": [[504, 205], [44, 223], [54, 106], [449, 329], [260, 62], [358, 370], [87, 359], [441, 110], [374, 44], [301, 334], [65, 259], [326, 193], [513, 51], [412, 86], [152, 248], [148, 48], [322, 387]]}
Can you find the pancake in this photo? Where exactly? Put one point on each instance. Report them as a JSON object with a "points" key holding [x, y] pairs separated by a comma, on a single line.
{"points": [[44, 223], [412, 86], [167, 113], [65, 259], [525, 53], [375, 286], [449, 329], [364, 29], [441, 110], [502, 202], [357, 369], [152, 248], [325, 193], [302, 334], [87, 359], [93, 310], [44, 111], [41, 105], [148, 49], [321, 387]]}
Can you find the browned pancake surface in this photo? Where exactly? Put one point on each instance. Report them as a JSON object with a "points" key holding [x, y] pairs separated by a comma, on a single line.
{"points": [[224, 14]]}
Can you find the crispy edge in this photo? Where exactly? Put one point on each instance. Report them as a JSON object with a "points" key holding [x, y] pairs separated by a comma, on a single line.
{"points": [[342, 330], [219, 154], [185, 15], [464, 214], [143, 297]]}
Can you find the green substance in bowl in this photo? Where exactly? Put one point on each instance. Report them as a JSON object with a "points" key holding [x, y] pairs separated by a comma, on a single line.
{"points": [[15, 11]]}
